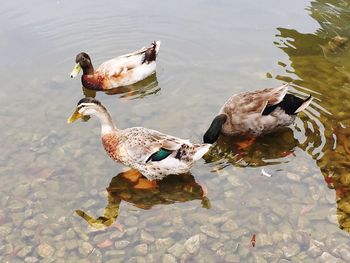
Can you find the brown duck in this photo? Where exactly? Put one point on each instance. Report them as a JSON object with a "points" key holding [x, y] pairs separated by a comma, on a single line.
{"points": [[255, 113]]}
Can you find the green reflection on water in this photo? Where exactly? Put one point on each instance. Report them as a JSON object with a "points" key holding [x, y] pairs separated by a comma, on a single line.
{"points": [[321, 64], [132, 187]]}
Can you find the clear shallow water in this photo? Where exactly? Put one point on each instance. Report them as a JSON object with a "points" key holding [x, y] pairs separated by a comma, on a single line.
{"points": [[209, 51]]}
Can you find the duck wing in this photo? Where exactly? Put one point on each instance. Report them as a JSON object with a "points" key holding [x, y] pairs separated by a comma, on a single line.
{"points": [[124, 63], [254, 102], [143, 144]]}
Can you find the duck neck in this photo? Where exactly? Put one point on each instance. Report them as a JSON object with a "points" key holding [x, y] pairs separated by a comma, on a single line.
{"points": [[107, 125], [213, 133], [88, 69]]}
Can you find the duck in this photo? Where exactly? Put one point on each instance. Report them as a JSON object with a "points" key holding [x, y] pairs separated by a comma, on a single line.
{"points": [[256, 113], [117, 72], [154, 154]]}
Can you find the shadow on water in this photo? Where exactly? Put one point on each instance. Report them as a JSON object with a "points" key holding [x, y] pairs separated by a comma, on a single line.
{"points": [[132, 187], [320, 64], [139, 90]]}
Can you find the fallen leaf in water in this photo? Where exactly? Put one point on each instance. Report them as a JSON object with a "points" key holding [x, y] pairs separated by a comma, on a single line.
{"points": [[253, 241], [105, 243]]}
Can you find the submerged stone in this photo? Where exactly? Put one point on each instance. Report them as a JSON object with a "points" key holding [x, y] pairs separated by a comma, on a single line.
{"points": [[210, 231], [45, 250], [229, 225], [141, 249], [177, 249], [326, 257], [167, 258], [192, 244]]}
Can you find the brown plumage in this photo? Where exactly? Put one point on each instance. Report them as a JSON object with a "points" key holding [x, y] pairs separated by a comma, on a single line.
{"points": [[255, 113]]}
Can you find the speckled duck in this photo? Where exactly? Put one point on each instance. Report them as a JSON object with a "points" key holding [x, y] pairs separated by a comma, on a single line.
{"points": [[154, 154]]}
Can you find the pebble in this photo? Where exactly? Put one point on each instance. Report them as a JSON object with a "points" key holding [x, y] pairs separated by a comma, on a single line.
{"points": [[167, 258], [31, 260], [131, 221], [232, 258], [293, 177], [163, 243], [259, 259], [314, 251], [216, 245], [40, 195], [217, 219], [61, 252], [210, 231], [22, 189], [290, 250], [71, 244], [16, 205], [115, 253], [30, 224], [5, 230], [264, 240], [177, 249], [70, 234], [243, 251], [85, 249], [343, 251], [120, 244], [192, 244], [233, 179], [326, 258], [229, 226], [45, 250], [131, 231], [141, 249], [24, 252], [146, 237]]}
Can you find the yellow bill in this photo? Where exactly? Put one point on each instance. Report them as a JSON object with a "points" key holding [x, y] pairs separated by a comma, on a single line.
{"points": [[75, 70], [76, 115]]}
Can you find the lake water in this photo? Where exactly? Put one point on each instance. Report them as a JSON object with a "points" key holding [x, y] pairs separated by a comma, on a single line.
{"points": [[210, 50]]}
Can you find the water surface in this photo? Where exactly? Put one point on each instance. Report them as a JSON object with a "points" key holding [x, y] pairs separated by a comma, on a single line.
{"points": [[209, 51]]}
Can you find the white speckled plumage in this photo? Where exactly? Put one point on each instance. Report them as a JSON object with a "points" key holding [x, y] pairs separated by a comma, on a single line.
{"points": [[135, 146]]}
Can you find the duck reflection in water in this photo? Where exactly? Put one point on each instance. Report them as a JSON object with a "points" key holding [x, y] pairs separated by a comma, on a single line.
{"points": [[132, 187], [139, 90], [273, 148]]}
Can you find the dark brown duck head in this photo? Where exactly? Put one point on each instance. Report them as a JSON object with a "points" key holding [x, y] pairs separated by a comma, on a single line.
{"points": [[83, 62]]}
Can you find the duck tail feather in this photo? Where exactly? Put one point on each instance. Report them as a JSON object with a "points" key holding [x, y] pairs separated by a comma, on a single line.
{"points": [[304, 105], [156, 45], [201, 149]]}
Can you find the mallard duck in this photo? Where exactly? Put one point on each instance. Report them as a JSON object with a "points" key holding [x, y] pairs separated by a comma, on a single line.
{"points": [[152, 153], [255, 113], [120, 71]]}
